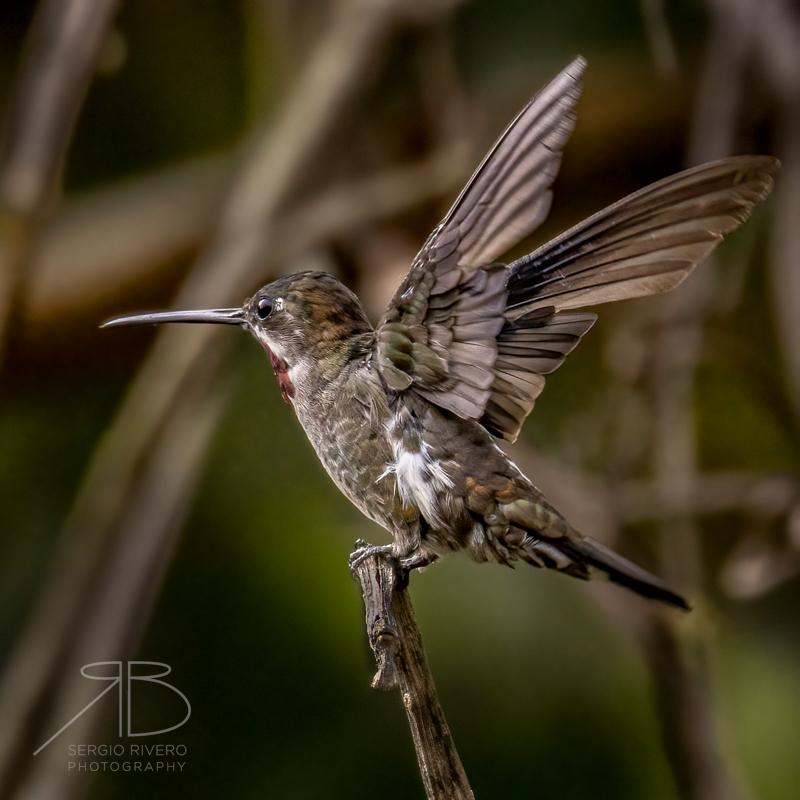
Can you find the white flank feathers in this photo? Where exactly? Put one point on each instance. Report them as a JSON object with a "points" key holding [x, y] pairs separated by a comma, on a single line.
{"points": [[421, 480]]}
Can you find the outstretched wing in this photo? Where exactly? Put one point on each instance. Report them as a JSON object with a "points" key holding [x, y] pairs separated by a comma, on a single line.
{"points": [[440, 331], [477, 339], [646, 243]]}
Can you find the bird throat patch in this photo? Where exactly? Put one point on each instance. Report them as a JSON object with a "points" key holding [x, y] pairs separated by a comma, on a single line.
{"points": [[281, 370]]}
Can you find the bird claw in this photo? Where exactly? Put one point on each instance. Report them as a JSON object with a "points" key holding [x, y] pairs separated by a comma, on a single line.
{"points": [[418, 560], [363, 551]]}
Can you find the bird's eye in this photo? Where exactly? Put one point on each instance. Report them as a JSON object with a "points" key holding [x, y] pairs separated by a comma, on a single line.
{"points": [[265, 307]]}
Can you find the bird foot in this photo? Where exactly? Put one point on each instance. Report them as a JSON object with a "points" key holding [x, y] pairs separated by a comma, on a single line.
{"points": [[364, 550], [419, 559]]}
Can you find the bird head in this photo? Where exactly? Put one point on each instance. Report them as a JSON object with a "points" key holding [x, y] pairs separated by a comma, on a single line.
{"points": [[307, 323]]}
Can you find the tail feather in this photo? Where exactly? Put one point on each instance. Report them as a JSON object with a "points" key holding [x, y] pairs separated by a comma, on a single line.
{"points": [[583, 557]]}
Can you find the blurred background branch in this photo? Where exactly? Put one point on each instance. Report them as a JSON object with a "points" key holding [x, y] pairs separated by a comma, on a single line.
{"points": [[61, 53], [679, 654], [94, 250]]}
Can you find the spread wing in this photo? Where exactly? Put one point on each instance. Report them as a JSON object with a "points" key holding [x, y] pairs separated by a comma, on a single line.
{"points": [[645, 244], [440, 331], [476, 338]]}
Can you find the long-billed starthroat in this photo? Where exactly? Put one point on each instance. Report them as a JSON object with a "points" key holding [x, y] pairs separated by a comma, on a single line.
{"points": [[404, 416]]}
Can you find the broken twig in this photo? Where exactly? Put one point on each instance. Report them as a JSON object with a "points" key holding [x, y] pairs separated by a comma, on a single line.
{"points": [[397, 644]]}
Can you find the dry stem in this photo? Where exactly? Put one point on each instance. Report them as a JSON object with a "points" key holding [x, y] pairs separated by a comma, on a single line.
{"points": [[395, 639]]}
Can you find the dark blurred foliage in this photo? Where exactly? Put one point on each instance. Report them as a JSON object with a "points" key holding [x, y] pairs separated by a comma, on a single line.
{"points": [[544, 681]]}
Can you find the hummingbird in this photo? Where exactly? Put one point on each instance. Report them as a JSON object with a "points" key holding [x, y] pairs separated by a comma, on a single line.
{"points": [[405, 416]]}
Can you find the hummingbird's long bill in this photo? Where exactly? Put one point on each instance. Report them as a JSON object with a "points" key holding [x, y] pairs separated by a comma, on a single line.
{"points": [[221, 316]]}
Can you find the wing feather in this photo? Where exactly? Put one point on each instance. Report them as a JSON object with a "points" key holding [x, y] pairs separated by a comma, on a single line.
{"points": [[646, 243], [528, 348], [477, 338], [452, 290]]}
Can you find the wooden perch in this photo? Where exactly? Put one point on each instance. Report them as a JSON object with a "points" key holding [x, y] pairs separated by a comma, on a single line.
{"points": [[397, 644]]}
